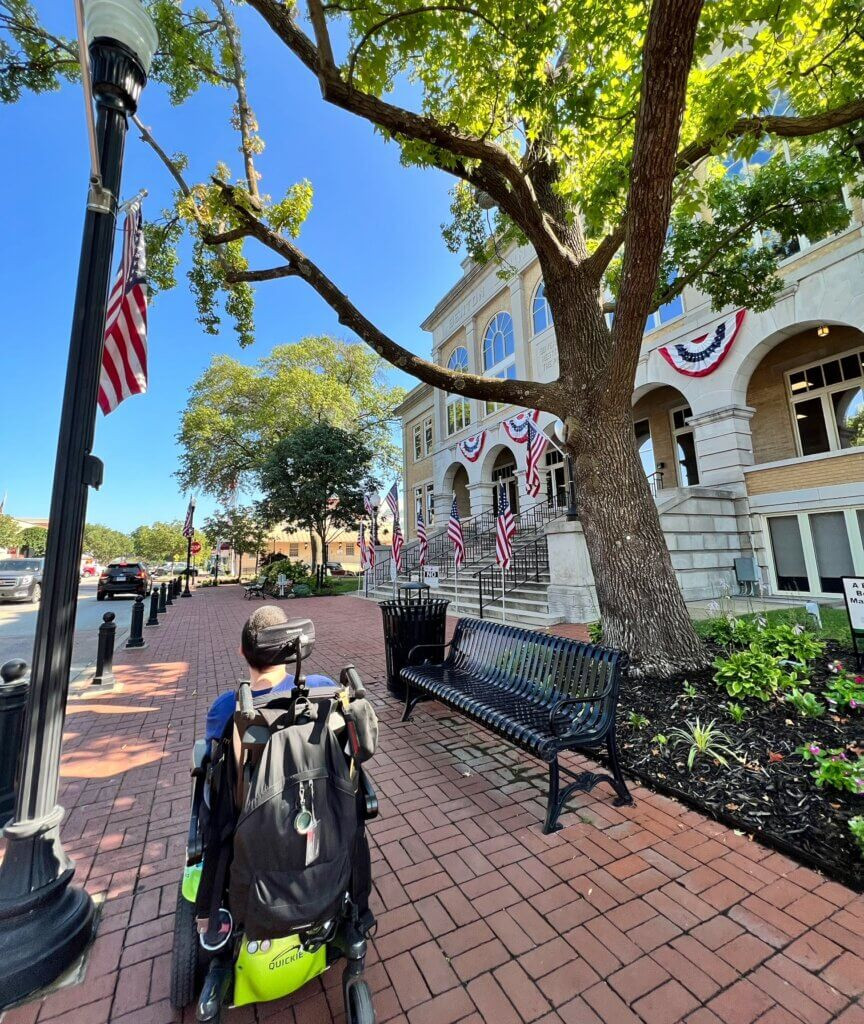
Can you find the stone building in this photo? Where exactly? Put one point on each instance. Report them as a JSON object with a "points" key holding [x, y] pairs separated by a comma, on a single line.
{"points": [[760, 459]]}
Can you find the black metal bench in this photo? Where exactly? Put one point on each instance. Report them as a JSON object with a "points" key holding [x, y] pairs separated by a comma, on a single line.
{"points": [[543, 693]]}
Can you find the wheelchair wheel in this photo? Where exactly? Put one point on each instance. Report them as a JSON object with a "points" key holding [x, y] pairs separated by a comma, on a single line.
{"points": [[360, 1008], [184, 956]]}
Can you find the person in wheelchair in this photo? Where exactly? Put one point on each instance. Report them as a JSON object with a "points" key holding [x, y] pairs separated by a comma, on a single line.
{"points": [[278, 874]]}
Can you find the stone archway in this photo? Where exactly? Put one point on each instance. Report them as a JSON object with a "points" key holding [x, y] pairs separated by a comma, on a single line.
{"points": [[666, 442]]}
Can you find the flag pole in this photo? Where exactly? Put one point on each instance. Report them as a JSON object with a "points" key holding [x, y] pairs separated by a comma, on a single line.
{"points": [[503, 599], [456, 580]]}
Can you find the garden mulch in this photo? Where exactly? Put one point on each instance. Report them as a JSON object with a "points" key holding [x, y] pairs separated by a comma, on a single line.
{"points": [[770, 792], [652, 913]]}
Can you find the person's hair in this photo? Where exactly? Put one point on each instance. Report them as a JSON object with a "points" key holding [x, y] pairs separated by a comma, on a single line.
{"points": [[259, 620]]}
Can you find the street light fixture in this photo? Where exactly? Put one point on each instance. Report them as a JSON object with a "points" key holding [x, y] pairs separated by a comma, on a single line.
{"points": [[187, 592], [46, 923]]}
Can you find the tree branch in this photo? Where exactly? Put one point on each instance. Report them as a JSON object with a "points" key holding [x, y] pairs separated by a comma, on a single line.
{"points": [[237, 276], [527, 394]]}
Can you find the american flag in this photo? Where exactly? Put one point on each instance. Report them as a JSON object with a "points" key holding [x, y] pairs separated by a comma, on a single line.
{"points": [[367, 551], [398, 543], [369, 504], [188, 528], [537, 444], [124, 355], [505, 529], [454, 532], [424, 540], [392, 500]]}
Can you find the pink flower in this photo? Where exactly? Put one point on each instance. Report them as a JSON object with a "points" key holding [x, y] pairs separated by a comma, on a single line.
{"points": [[853, 703], [814, 750], [859, 680]]}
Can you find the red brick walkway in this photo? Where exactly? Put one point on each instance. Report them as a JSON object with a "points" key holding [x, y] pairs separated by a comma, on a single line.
{"points": [[651, 913]]}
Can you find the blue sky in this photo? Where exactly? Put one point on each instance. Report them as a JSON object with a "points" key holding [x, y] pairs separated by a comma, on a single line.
{"points": [[374, 228]]}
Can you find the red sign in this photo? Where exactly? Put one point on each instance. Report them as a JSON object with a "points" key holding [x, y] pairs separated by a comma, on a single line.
{"points": [[224, 546], [196, 547]]}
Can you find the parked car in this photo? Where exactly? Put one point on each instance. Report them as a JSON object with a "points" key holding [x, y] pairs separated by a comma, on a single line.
{"points": [[123, 577], [338, 569], [21, 579]]}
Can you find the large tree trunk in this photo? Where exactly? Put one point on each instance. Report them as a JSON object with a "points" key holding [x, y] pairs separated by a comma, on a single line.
{"points": [[641, 605]]}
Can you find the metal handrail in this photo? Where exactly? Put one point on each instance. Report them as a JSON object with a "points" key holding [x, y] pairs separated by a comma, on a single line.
{"points": [[526, 563]]}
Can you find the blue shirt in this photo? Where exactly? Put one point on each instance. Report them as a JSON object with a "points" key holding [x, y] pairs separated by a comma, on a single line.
{"points": [[223, 707]]}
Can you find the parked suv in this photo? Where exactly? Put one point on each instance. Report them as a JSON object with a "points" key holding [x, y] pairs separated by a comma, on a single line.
{"points": [[21, 579], [123, 577]]}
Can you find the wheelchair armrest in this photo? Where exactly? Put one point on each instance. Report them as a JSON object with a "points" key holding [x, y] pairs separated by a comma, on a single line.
{"points": [[194, 840], [370, 797], [200, 757]]}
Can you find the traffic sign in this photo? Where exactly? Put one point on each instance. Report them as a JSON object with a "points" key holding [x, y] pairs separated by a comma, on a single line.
{"points": [[196, 547]]}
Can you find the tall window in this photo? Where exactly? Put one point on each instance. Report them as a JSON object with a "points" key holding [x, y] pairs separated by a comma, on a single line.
{"points": [[828, 404], [427, 435], [685, 447], [293, 550], [812, 551], [418, 444], [458, 408], [430, 505], [556, 480], [499, 352], [667, 312], [418, 503], [541, 314]]}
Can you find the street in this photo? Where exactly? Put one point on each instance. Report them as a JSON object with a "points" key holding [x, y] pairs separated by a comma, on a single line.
{"points": [[18, 624]]}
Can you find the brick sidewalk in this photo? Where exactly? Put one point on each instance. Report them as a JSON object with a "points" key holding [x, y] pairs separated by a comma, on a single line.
{"points": [[651, 913]]}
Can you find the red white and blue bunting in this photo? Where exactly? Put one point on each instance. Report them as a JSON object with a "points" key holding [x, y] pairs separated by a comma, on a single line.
{"points": [[472, 447], [702, 355], [517, 426]]}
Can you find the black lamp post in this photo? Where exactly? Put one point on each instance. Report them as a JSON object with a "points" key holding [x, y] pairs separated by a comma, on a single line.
{"points": [[572, 510], [46, 923], [187, 592]]}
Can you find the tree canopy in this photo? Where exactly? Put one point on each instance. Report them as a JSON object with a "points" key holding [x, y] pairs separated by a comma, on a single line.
{"points": [[236, 413], [9, 531], [245, 528], [159, 542], [315, 479], [104, 543], [34, 539]]}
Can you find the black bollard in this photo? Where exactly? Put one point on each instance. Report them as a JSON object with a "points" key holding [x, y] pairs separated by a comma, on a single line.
{"points": [[169, 592], [162, 606], [104, 677], [176, 582], [136, 627], [154, 607], [13, 704]]}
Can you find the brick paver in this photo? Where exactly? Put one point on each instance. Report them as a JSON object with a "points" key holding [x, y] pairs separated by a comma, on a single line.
{"points": [[651, 913]]}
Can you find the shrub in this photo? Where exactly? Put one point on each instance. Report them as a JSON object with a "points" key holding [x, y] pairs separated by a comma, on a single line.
{"points": [[845, 689], [295, 571], [790, 643], [805, 703], [704, 741], [728, 631], [835, 768], [750, 673], [737, 711], [595, 632], [856, 827]]}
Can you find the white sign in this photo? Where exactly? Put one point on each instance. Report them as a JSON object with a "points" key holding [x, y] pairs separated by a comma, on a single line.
{"points": [[853, 591], [430, 576]]}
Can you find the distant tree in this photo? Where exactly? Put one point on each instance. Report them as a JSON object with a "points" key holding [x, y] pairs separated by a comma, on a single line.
{"points": [[315, 479], [244, 528], [236, 413], [159, 542], [9, 531], [34, 539], [103, 543]]}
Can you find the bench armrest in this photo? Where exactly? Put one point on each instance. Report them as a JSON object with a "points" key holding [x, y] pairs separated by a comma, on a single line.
{"points": [[421, 647], [575, 702]]}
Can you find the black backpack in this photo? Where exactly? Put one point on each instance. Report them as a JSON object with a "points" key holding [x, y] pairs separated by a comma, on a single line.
{"points": [[281, 881]]}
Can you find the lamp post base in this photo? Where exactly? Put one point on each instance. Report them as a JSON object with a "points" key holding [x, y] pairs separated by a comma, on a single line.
{"points": [[45, 923]]}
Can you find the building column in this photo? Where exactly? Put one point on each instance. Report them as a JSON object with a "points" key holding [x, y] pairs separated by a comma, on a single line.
{"points": [[724, 446], [481, 496]]}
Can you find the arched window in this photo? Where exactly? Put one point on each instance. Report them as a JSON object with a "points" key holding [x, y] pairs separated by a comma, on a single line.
{"points": [[541, 314], [499, 352], [458, 408]]}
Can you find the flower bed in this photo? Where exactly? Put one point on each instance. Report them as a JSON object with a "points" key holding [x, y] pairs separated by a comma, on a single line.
{"points": [[757, 773]]}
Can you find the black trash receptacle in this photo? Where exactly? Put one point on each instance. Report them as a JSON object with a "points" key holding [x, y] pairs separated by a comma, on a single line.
{"points": [[415, 617], [13, 703]]}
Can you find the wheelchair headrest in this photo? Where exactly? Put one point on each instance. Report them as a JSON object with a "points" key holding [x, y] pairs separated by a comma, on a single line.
{"points": [[279, 644]]}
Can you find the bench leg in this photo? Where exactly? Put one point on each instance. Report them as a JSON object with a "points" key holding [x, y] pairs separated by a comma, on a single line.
{"points": [[410, 703], [617, 778], [553, 801]]}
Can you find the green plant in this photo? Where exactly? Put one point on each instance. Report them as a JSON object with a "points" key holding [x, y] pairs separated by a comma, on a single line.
{"points": [[834, 768], [790, 643], [689, 689], [805, 703], [704, 741], [729, 631], [856, 827], [297, 572], [636, 720], [845, 689], [737, 711], [595, 632], [750, 673], [660, 739]]}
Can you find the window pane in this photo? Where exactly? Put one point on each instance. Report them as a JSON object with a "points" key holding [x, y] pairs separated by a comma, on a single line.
{"points": [[418, 450], [832, 372], [788, 553], [798, 382], [849, 416], [671, 310], [833, 554], [814, 377], [851, 366], [428, 433], [689, 471], [811, 426], [860, 513]]}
